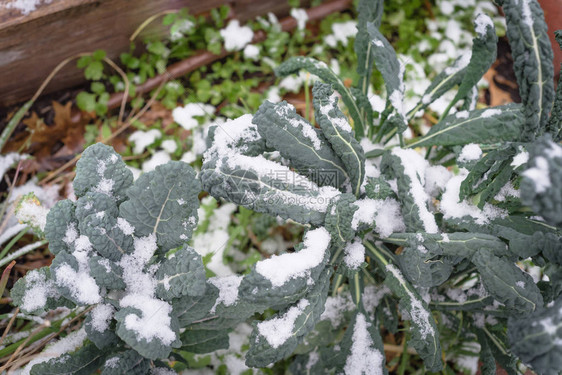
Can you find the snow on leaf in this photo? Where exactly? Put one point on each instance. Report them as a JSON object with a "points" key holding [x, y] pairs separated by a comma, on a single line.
{"points": [[300, 143], [181, 274], [294, 64], [339, 134], [278, 336], [504, 125], [101, 169]]}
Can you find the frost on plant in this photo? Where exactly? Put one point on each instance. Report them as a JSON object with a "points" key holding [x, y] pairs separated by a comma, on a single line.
{"points": [[390, 238], [122, 249]]}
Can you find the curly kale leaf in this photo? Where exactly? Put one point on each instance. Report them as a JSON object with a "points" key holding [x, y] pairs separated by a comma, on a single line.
{"points": [[379, 188], [93, 202], [164, 202], [339, 218], [101, 169], [60, 219], [84, 361], [443, 82], [283, 279], [268, 187], [126, 363], [204, 341], [181, 274], [554, 126], [148, 326], [408, 167], [189, 309], [455, 244], [107, 273], [425, 337], [367, 11], [489, 175], [422, 269], [110, 239]]}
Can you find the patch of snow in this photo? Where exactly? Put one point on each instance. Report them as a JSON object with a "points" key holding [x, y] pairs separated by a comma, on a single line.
{"points": [[452, 207], [215, 238], [235, 36], [354, 254], [228, 290], [470, 152], [280, 269], [101, 317], [8, 160], [154, 319], [414, 167], [335, 307], [539, 174], [490, 112], [186, 116], [364, 357], [521, 158], [301, 16], [169, 145], [341, 32], [278, 330], [159, 158], [483, 22], [125, 226], [38, 289], [385, 214], [251, 52], [143, 139], [23, 6]]}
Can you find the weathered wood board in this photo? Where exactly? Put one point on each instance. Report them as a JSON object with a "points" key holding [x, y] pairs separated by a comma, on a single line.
{"points": [[34, 40]]}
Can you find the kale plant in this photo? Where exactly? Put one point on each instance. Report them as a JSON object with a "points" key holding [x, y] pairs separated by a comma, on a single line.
{"points": [[400, 234], [392, 239], [120, 250]]}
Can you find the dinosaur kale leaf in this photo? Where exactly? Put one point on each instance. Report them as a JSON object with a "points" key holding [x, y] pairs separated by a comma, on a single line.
{"points": [[536, 339], [322, 70], [502, 123], [277, 337], [339, 134], [532, 54], [540, 188], [300, 143]]}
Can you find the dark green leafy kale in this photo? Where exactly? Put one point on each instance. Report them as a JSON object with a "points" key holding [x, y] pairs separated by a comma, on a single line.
{"points": [[110, 254]]}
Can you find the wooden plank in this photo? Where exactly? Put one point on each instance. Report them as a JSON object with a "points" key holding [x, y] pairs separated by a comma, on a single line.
{"points": [[32, 44]]}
